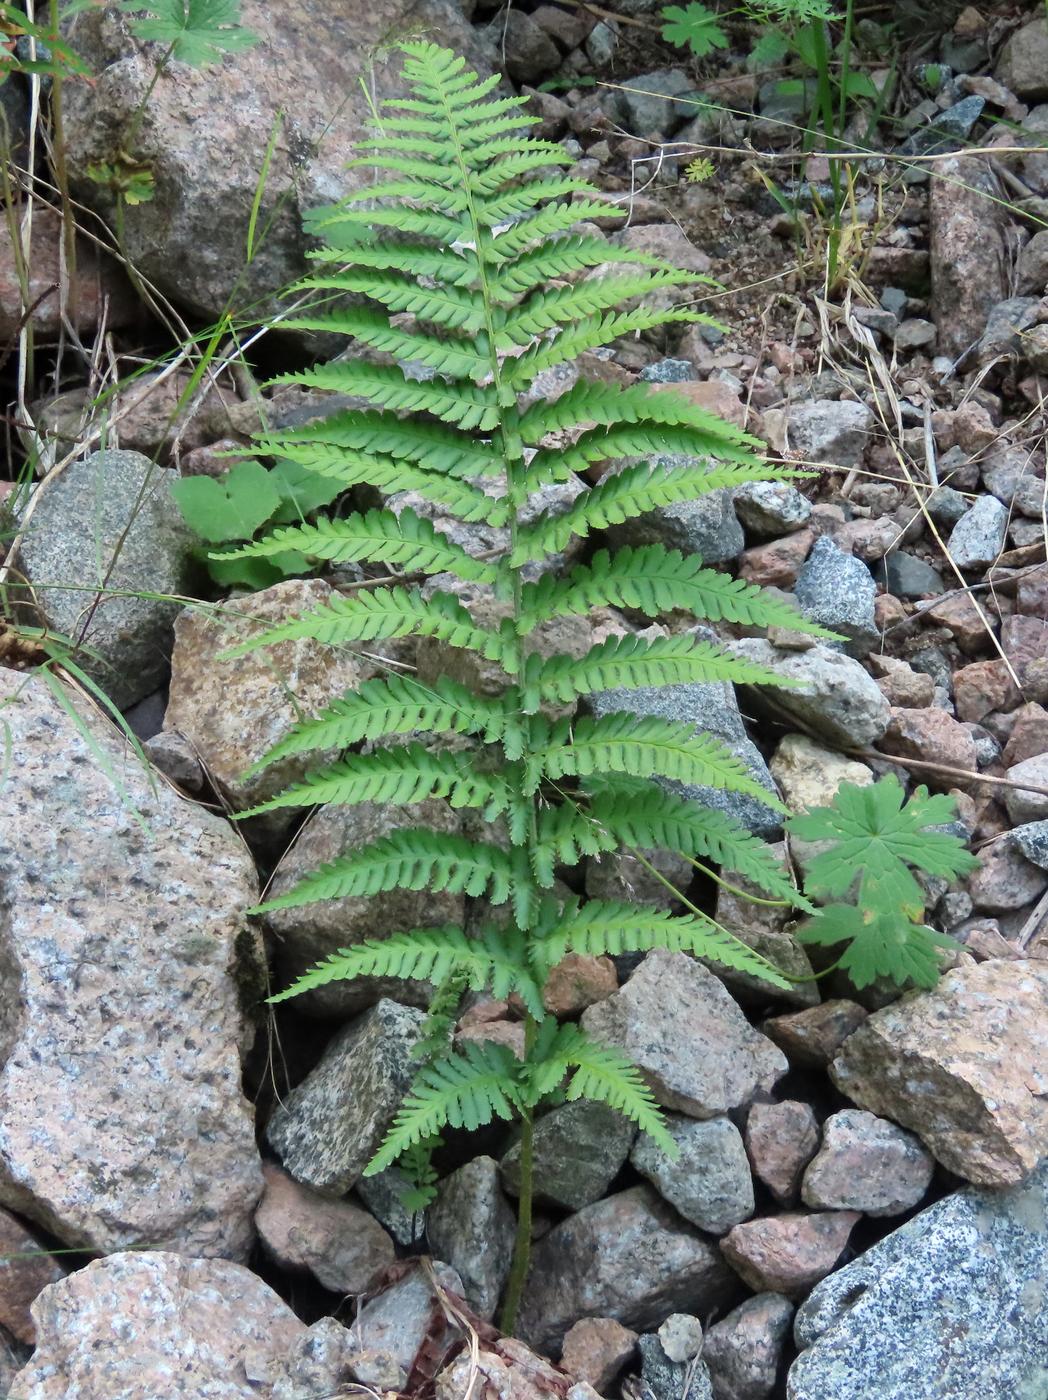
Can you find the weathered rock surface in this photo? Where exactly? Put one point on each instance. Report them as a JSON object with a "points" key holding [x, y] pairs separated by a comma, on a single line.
{"points": [[809, 775], [205, 157], [26, 1269], [965, 1067], [837, 591], [968, 257], [310, 933], [105, 528], [743, 1351], [834, 695], [342, 1246], [828, 430], [234, 711], [628, 1257], [579, 1149], [709, 1180], [596, 1349], [401, 1318], [471, 1227], [953, 1298], [788, 1253], [145, 1325], [122, 1120], [781, 1139], [504, 1367], [330, 1126], [813, 1036], [866, 1163], [694, 1047]]}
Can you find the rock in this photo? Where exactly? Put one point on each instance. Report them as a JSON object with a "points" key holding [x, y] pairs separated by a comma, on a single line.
{"points": [[645, 104], [471, 1227], [932, 736], [709, 1180], [504, 1367], [907, 576], [946, 506], [866, 1163], [99, 284], [1023, 63], [681, 1337], [1033, 265], [834, 431], [781, 1139], [578, 981], [965, 620], [342, 1246], [204, 158], [811, 1038], [901, 685], [105, 528], [1029, 734], [308, 934], [963, 1067], [768, 930], [1025, 643], [915, 334], [666, 1379], [234, 711], [744, 1350], [943, 1300], [1007, 468], [1005, 879], [175, 758], [809, 775], [383, 1194], [983, 687], [979, 537], [26, 1269], [706, 526], [629, 1257], [131, 1323], [834, 695], [837, 590], [529, 53], [691, 1043], [323, 1359], [1031, 840], [771, 507], [596, 1349], [579, 1150], [330, 1126], [1024, 805], [968, 257], [125, 954], [788, 1253], [408, 1314], [776, 564], [713, 710]]}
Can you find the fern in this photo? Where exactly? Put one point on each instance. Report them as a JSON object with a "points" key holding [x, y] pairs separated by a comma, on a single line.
{"points": [[467, 240]]}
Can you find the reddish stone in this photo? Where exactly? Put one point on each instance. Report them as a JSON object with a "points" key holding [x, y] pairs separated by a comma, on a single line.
{"points": [[982, 687], [1025, 643], [1031, 594], [1029, 736], [900, 684], [788, 1253], [968, 623], [577, 982], [932, 736], [713, 395], [810, 1038], [776, 564], [25, 1271], [596, 1349], [781, 1139], [888, 611]]}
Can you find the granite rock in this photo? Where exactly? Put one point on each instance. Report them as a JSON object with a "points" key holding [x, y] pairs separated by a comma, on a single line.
{"points": [[579, 1149], [788, 1253], [709, 1181], [744, 1350], [835, 696], [866, 1163], [471, 1227], [837, 591]]}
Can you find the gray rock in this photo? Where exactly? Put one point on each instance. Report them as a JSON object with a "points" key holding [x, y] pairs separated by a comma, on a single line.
{"points": [[712, 709], [830, 430], [706, 526], [837, 590], [1025, 805], [404, 1315], [530, 54], [709, 1181], [946, 507], [915, 334], [383, 1194], [644, 104], [628, 1257], [1023, 62], [979, 536], [866, 1163], [108, 526], [744, 1350], [952, 1299], [692, 1044], [969, 258], [669, 371], [1032, 841], [320, 1363], [1005, 324], [471, 1227], [681, 1337], [771, 507], [906, 576], [835, 696], [579, 1150], [330, 1126], [663, 1378], [124, 959]]}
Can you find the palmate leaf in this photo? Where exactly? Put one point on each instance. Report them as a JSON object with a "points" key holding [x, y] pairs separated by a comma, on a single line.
{"points": [[694, 27], [654, 580], [603, 926], [641, 746], [198, 32], [882, 943], [393, 705], [874, 832], [461, 1090], [492, 960]]}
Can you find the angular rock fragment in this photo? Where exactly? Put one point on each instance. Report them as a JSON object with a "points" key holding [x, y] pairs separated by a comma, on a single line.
{"points": [[709, 1180], [781, 1139], [471, 1227], [744, 1350], [788, 1253], [579, 1148], [866, 1163]]}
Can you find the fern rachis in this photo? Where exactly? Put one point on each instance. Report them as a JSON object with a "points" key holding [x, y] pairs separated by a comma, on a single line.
{"points": [[434, 242]]}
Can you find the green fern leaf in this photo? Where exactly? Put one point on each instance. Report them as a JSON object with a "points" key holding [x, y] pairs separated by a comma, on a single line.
{"points": [[564, 835], [718, 438], [467, 406], [654, 580], [459, 268], [590, 334], [463, 1090], [450, 307], [379, 536], [460, 358], [496, 249], [549, 310], [438, 448], [540, 155], [562, 258]]}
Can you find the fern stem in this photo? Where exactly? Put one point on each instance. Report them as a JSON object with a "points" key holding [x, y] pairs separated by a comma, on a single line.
{"points": [[522, 1244]]}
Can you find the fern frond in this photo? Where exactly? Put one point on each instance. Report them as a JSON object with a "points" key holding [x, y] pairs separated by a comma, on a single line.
{"points": [[467, 406], [563, 257], [589, 402], [503, 205], [655, 580], [463, 1090], [632, 492], [451, 307], [459, 358], [379, 536], [601, 1073], [458, 268], [592, 333], [549, 310], [378, 615], [498, 249], [444, 228], [438, 448], [642, 745], [430, 955], [414, 858], [393, 705], [633, 662], [541, 155], [399, 776], [564, 835], [717, 439]]}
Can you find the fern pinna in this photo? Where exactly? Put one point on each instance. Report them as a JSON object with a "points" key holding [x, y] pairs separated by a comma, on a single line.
{"points": [[468, 244]]}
